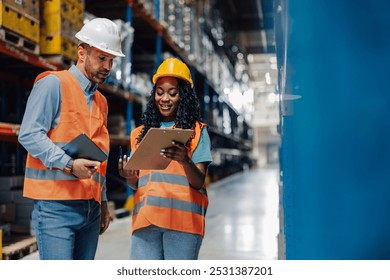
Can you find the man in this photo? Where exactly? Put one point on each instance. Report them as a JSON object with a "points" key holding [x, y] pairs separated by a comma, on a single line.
{"points": [[70, 203]]}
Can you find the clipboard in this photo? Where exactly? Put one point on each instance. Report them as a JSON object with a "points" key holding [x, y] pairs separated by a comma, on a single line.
{"points": [[83, 147], [147, 155]]}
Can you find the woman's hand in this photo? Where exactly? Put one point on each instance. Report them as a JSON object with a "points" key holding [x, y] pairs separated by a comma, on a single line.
{"points": [[130, 175], [126, 173], [177, 152]]}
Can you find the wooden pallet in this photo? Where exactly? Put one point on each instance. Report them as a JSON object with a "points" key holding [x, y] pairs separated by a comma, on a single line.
{"points": [[20, 249], [60, 60], [19, 41]]}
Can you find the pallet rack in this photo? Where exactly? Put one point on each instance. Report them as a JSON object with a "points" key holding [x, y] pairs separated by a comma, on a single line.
{"points": [[20, 66]]}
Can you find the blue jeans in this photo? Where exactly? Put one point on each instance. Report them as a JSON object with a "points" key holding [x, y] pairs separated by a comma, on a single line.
{"points": [[154, 243], [66, 229]]}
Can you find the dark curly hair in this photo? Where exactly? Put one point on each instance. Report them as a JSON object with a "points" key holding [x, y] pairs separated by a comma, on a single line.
{"points": [[188, 112]]}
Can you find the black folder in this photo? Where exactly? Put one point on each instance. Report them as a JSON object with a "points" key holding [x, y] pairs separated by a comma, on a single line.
{"points": [[83, 147]]}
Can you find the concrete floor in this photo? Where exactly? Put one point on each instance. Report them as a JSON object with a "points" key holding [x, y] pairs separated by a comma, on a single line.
{"points": [[242, 221]]}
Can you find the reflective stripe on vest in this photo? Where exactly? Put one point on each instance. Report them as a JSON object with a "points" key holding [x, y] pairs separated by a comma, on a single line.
{"points": [[56, 174], [165, 198], [47, 174], [159, 177], [171, 203]]}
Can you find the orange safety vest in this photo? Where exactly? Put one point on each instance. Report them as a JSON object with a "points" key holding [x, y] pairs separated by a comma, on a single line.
{"points": [[165, 199], [75, 117]]}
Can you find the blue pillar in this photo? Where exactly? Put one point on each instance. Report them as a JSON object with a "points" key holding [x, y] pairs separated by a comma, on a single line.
{"points": [[335, 146], [129, 204], [159, 35], [129, 112], [19, 155]]}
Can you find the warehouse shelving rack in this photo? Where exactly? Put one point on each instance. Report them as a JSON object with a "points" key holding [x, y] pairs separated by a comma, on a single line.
{"points": [[19, 68], [151, 42]]}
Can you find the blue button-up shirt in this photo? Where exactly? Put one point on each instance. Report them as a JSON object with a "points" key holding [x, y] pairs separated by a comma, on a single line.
{"points": [[43, 114]]}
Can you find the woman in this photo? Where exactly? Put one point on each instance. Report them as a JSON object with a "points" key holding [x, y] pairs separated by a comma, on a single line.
{"points": [[170, 205]]}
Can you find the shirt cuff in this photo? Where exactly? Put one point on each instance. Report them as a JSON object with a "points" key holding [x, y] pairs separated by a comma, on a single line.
{"points": [[64, 160]]}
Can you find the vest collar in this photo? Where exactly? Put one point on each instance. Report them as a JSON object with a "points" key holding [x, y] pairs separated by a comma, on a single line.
{"points": [[86, 85]]}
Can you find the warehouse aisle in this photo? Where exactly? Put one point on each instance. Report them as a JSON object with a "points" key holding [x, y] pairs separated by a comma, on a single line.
{"points": [[241, 223], [242, 220]]}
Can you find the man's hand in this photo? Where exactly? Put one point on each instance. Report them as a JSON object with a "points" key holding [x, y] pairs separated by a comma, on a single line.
{"points": [[84, 168]]}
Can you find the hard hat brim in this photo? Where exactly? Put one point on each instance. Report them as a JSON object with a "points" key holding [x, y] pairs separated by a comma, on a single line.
{"points": [[158, 76], [87, 41]]}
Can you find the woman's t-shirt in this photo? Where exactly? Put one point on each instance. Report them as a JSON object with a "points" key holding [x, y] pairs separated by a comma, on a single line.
{"points": [[202, 152]]}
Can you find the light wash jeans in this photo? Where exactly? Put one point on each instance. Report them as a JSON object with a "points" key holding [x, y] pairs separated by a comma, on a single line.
{"points": [[66, 229], [154, 243]]}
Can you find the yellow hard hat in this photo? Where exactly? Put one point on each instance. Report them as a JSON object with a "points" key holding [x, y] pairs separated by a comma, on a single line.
{"points": [[173, 67]]}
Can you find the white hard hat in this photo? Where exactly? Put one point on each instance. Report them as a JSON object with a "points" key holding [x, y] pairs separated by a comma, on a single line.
{"points": [[102, 34]]}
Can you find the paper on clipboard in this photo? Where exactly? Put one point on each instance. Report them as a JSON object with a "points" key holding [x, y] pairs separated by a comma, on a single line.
{"points": [[147, 155], [83, 147]]}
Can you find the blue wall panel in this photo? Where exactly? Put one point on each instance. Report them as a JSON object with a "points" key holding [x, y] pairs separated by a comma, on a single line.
{"points": [[335, 154]]}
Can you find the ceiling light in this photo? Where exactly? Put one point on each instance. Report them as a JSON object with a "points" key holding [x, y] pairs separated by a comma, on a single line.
{"points": [[268, 78]]}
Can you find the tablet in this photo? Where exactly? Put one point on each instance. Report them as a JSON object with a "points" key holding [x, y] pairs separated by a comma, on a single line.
{"points": [[83, 147], [147, 155]]}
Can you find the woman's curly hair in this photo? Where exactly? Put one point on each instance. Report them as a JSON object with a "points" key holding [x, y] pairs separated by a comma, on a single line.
{"points": [[188, 112]]}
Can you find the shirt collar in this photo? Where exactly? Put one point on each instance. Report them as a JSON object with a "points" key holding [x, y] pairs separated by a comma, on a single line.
{"points": [[86, 85]]}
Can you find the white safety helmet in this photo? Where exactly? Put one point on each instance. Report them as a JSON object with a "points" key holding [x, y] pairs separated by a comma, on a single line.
{"points": [[102, 34]]}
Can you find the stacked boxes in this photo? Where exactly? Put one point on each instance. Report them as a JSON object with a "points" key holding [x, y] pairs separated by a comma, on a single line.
{"points": [[60, 21], [19, 20]]}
